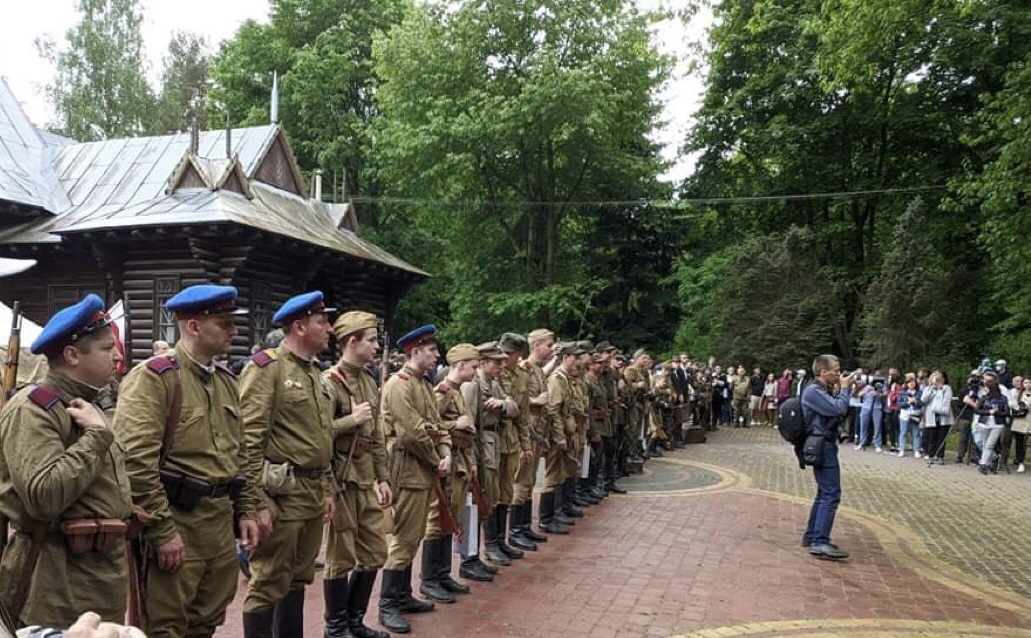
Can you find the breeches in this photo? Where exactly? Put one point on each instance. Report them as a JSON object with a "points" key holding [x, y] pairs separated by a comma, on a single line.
{"points": [[508, 468], [410, 510], [193, 600], [283, 561], [363, 548], [526, 477]]}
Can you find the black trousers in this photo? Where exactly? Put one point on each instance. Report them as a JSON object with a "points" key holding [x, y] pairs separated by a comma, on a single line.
{"points": [[934, 441]]}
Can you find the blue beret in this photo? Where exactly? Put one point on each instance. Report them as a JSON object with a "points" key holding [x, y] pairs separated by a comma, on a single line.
{"points": [[417, 337], [310, 303], [71, 324], [204, 299]]}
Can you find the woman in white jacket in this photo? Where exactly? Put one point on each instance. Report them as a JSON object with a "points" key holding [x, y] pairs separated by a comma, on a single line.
{"points": [[937, 396]]}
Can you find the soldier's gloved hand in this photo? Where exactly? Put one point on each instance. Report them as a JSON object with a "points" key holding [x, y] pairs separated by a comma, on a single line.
{"points": [[85, 414], [172, 554], [362, 413]]}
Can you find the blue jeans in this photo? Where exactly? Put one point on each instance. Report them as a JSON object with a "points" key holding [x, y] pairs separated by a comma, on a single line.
{"points": [[828, 495], [866, 418], [904, 427]]}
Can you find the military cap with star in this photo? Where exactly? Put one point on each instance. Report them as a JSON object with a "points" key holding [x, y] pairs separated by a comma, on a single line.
{"points": [[583, 347], [511, 342], [352, 322], [204, 300], [417, 337], [309, 303], [71, 324]]}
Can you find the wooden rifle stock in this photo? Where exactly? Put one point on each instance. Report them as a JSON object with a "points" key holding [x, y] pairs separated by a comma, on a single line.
{"points": [[447, 521], [13, 350]]}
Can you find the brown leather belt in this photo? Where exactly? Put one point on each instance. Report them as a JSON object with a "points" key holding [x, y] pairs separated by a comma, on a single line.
{"points": [[309, 473], [343, 444]]}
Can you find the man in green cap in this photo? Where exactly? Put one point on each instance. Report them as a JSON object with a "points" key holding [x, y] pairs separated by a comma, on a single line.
{"points": [[541, 343], [563, 432], [516, 444]]}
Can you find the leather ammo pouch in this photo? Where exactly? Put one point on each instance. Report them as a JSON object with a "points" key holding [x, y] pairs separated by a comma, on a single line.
{"points": [[277, 478], [343, 444], [461, 439], [184, 492], [93, 534]]}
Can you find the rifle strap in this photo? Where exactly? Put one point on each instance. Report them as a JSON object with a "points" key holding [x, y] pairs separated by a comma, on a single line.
{"points": [[21, 595], [339, 378], [175, 409]]}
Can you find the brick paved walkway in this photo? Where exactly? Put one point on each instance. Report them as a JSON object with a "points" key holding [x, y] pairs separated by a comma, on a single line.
{"points": [[935, 551]]}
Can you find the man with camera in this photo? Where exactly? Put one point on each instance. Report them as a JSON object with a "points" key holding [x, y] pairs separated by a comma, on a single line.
{"points": [[824, 405]]}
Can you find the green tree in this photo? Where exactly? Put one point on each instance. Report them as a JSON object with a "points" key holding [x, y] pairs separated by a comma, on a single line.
{"points": [[101, 90], [518, 113], [183, 84]]}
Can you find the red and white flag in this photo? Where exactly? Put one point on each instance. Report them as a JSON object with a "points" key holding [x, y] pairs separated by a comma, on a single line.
{"points": [[117, 314]]}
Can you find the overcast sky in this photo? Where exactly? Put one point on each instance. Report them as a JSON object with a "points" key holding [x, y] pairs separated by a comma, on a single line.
{"points": [[216, 20]]}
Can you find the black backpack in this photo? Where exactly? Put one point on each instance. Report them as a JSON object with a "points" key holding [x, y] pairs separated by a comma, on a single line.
{"points": [[790, 421]]}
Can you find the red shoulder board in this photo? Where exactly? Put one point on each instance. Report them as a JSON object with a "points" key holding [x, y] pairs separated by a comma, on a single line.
{"points": [[43, 396], [404, 377], [263, 358], [162, 364], [221, 365], [443, 387]]}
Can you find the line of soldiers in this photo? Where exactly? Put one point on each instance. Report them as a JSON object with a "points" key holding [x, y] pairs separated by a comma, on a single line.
{"points": [[150, 504]]}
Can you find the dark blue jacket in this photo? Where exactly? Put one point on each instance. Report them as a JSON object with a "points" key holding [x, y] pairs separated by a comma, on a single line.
{"points": [[823, 410]]}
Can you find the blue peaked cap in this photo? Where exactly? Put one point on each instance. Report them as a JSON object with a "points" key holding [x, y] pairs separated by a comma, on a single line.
{"points": [[205, 299], [71, 324], [309, 303], [418, 336]]}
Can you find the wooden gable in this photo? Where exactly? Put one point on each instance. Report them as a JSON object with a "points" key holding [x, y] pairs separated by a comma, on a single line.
{"points": [[278, 167]]}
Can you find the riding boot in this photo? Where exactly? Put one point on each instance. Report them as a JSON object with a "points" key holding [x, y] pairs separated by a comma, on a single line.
{"points": [[409, 603], [490, 541], [358, 595], [570, 505], [337, 618], [431, 586], [258, 624], [391, 592], [288, 618], [583, 491], [548, 524], [526, 518], [519, 529], [444, 568], [501, 524]]}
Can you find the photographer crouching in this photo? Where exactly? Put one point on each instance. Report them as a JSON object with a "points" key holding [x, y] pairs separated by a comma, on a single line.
{"points": [[824, 406]]}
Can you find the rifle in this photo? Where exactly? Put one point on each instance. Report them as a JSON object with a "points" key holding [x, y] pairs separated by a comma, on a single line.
{"points": [[10, 380], [447, 521]]}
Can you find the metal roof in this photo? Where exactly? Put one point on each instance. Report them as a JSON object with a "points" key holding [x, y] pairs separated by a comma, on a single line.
{"points": [[122, 183], [25, 174]]}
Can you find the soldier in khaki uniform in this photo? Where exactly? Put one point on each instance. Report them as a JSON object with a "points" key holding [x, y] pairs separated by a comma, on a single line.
{"points": [[540, 342], [437, 583], [361, 471], [420, 453], [516, 444], [638, 379], [60, 468], [563, 431], [287, 409], [489, 405], [190, 488], [609, 378], [600, 424]]}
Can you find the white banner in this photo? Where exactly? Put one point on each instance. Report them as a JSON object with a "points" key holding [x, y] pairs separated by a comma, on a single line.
{"points": [[470, 545], [585, 460]]}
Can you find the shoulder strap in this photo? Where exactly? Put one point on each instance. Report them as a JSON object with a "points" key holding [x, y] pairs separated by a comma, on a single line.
{"points": [[44, 396], [161, 365]]}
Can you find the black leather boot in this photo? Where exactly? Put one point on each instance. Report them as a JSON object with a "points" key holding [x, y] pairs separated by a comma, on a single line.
{"points": [[570, 504], [527, 524], [583, 491], [444, 568], [491, 550], [501, 525], [548, 522], [431, 586], [519, 528], [288, 619], [409, 603], [472, 569], [391, 592], [258, 624], [358, 595], [335, 594]]}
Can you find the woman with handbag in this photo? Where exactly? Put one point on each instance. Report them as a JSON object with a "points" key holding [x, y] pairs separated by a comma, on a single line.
{"points": [[937, 396], [911, 410]]}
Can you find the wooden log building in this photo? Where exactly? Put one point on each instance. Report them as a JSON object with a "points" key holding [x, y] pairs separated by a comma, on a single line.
{"points": [[140, 218]]}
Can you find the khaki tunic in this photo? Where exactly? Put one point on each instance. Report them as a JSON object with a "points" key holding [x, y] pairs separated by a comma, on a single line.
{"points": [[208, 444], [488, 421], [515, 436], [51, 470], [287, 410], [364, 547], [598, 404], [451, 406], [417, 442]]}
